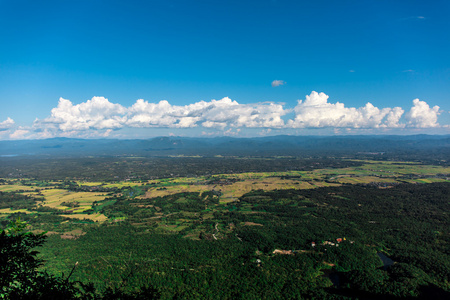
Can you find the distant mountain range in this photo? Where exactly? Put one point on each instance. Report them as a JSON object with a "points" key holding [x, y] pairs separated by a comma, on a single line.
{"points": [[227, 146]]}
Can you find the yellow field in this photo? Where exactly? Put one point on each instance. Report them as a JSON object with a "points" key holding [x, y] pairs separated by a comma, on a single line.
{"points": [[10, 211], [14, 188], [54, 198], [110, 185], [93, 217], [89, 183], [232, 191]]}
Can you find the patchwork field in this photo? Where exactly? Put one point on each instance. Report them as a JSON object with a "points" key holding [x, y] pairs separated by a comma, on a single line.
{"points": [[233, 186], [229, 187], [15, 188], [82, 201]]}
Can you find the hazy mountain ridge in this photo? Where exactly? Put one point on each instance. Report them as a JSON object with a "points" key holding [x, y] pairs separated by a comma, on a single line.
{"points": [[259, 146]]}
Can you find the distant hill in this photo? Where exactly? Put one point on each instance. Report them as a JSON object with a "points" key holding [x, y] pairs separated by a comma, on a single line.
{"points": [[227, 146]]}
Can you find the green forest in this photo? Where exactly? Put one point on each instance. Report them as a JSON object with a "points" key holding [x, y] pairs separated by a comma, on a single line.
{"points": [[325, 229]]}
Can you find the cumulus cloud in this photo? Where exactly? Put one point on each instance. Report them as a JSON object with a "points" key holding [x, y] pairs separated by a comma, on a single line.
{"points": [[7, 124], [276, 83], [99, 117], [226, 112], [422, 115], [99, 113], [393, 118], [216, 113], [316, 112], [162, 114]]}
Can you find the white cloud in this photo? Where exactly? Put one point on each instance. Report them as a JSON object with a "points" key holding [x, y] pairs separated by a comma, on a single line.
{"points": [[230, 132], [422, 116], [107, 133], [226, 112], [276, 83], [99, 117], [97, 113], [316, 112], [216, 113], [7, 124], [162, 114], [393, 118], [265, 132], [18, 134]]}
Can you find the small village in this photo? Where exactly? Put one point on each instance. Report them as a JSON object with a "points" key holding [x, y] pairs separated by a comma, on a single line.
{"points": [[337, 242]]}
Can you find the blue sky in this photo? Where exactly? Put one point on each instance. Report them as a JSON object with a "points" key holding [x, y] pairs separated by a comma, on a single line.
{"points": [[79, 68]]}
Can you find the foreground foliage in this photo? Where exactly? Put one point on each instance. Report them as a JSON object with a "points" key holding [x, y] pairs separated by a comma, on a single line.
{"points": [[21, 279]]}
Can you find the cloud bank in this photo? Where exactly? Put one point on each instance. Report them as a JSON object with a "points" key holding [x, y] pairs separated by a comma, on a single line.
{"points": [[99, 113], [99, 117]]}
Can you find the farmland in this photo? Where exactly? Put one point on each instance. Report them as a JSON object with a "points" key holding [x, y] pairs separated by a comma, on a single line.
{"points": [[227, 187], [254, 227]]}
